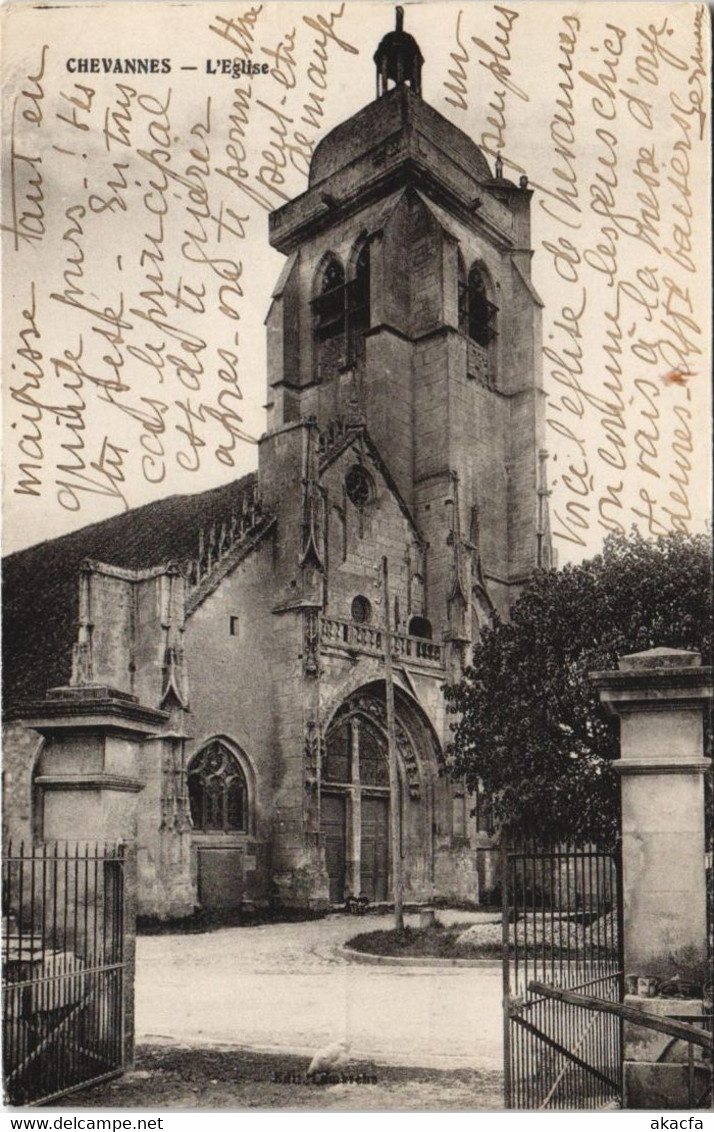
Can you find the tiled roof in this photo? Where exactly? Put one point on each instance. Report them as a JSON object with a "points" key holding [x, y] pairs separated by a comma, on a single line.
{"points": [[40, 589]]}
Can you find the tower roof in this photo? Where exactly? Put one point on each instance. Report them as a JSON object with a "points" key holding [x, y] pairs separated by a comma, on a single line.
{"points": [[398, 111], [397, 139], [398, 108]]}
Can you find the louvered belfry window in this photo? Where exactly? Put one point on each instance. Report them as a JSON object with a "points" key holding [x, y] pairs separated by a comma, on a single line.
{"points": [[477, 315], [329, 306], [341, 314], [358, 313], [217, 791]]}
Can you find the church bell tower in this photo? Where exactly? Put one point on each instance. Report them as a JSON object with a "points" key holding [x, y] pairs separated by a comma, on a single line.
{"points": [[406, 305]]}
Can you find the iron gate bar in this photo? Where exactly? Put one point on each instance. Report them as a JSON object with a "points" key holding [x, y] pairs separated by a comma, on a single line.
{"points": [[63, 1011], [561, 1075], [506, 958], [572, 1036], [44, 1044], [78, 974], [53, 1034], [629, 1013], [564, 1051], [110, 1075], [561, 923]]}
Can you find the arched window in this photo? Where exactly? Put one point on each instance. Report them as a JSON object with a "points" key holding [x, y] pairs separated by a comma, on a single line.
{"points": [[337, 765], [477, 321], [329, 304], [361, 610], [217, 791], [356, 733], [463, 296], [420, 627], [341, 314], [373, 757], [358, 300], [477, 315], [329, 320]]}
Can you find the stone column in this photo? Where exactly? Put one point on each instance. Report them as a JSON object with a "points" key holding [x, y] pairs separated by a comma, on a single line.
{"points": [[89, 769], [90, 776], [659, 696]]}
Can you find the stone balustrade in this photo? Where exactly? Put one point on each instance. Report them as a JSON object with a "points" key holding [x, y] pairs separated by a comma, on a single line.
{"points": [[370, 639]]}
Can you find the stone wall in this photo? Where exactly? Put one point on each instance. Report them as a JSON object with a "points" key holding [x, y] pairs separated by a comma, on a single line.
{"points": [[166, 874], [237, 652], [21, 749]]}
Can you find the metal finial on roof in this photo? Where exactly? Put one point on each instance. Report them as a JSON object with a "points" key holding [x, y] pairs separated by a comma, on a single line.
{"points": [[398, 59]]}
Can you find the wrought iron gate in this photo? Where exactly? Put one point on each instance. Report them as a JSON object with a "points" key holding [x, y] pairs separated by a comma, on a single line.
{"points": [[562, 927], [63, 968]]}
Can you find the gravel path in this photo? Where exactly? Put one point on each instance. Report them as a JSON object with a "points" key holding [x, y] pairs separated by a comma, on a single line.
{"points": [[286, 988]]}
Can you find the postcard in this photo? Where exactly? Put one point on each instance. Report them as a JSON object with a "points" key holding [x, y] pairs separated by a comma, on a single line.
{"points": [[327, 327]]}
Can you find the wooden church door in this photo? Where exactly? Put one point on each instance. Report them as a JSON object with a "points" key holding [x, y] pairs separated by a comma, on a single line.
{"points": [[355, 767], [334, 831], [375, 848]]}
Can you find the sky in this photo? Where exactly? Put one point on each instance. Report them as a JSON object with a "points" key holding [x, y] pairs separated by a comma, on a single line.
{"points": [[137, 273]]}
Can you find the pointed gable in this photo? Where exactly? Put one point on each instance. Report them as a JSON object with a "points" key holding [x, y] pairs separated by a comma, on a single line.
{"points": [[367, 520]]}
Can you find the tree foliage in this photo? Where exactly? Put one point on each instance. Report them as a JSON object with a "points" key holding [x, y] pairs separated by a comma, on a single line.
{"points": [[530, 727]]}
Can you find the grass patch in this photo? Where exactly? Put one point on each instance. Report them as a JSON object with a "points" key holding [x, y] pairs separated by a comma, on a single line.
{"points": [[484, 942], [437, 942]]}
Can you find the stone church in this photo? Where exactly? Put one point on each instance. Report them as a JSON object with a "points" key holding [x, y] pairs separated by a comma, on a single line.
{"points": [[209, 671]]}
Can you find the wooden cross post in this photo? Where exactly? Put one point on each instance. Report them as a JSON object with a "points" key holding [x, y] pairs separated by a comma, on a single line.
{"points": [[397, 883]]}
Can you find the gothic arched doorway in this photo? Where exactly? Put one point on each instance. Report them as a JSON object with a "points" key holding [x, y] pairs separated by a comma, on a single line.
{"points": [[355, 795], [355, 806]]}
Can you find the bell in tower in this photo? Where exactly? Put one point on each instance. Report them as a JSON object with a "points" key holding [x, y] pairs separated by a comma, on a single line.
{"points": [[398, 59]]}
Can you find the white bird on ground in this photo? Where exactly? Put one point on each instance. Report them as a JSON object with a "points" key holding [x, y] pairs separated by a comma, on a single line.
{"points": [[329, 1059]]}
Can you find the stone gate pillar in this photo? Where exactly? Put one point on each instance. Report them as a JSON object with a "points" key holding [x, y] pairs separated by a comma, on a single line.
{"points": [[660, 696], [89, 777]]}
